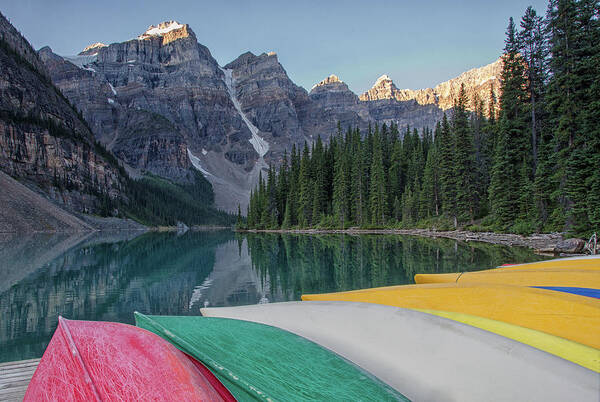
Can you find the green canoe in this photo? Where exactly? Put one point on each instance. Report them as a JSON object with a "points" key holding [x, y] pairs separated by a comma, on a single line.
{"points": [[260, 362]]}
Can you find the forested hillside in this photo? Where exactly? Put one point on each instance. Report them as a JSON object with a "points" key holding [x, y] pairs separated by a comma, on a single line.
{"points": [[529, 162]]}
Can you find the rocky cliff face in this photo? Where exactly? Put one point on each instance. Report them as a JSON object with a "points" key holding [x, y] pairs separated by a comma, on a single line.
{"points": [[269, 99], [92, 50], [43, 140], [161, 94], [333, 101]]}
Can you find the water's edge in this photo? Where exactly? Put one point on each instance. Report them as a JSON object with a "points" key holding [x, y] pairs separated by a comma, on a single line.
{"points": [[542, 243]]}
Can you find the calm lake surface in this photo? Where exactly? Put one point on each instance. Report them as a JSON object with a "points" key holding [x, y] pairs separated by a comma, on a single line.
{"points": [[108, 276]]}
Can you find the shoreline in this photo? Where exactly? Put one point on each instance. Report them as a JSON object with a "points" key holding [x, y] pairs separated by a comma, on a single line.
{"points": [[541, 243]]}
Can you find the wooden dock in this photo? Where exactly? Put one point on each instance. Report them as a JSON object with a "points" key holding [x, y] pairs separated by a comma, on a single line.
{"points": [[14, 378]]}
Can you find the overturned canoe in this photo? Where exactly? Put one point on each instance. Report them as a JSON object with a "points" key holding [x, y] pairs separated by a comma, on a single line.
{"points": [[87, 361], [566, 272], [557, 277], [588, 262], [256, 361], [428, 357], [561, 314]]}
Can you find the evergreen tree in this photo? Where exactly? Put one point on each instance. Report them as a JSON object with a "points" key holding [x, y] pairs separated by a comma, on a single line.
{"points": [[532, 47], [239, 220], [512, 148], [395, 172], [292, 196], [358, 183], [340, 189], [282, 187], [271, 197], [446, 169], [430, 203], [377, 194], [287, 216], [319, 202], [464, 162], [305, 198]]}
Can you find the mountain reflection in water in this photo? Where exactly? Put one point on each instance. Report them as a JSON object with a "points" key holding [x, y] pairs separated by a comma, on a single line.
{"points": [[107, 276]]}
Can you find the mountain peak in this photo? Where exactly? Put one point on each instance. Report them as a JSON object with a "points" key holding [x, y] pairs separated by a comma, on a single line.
{"points": [[161, 29], [381, 79], [168, 31], [332, 79], [383, 88], [92, 49]]}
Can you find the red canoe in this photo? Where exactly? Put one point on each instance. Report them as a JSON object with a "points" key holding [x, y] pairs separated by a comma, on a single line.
{"points": [[105, 361]]}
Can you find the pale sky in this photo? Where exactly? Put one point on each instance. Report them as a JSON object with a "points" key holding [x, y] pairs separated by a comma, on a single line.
{"points": [[417, 43]]}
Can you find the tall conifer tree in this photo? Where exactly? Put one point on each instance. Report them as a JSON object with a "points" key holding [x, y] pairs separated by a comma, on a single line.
{"points": [[512, 148], [464, 159]]}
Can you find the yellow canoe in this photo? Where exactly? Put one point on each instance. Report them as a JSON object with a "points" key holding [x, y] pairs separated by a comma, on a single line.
{"points": [[564, 277], [591, 262], [568, 316]]}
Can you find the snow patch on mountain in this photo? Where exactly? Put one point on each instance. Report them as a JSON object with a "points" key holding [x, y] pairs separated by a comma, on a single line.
{"points": [[92, 50], [260, 145], [384, 77], [161, 29], [196, 163], [81, 61], [114, 91]]}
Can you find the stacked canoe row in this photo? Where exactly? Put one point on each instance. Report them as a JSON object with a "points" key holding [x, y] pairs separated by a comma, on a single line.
{"points": [[520, 332]]}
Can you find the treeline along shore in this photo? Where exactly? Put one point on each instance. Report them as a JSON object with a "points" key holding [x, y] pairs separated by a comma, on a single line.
{"points": [[542, 243]]}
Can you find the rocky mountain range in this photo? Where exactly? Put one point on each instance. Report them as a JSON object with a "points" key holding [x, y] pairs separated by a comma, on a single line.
{"points": [[162, 104], [478, 84]]}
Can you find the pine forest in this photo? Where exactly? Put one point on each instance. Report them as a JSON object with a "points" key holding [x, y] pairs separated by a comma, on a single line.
{"points": [[530, 162]]}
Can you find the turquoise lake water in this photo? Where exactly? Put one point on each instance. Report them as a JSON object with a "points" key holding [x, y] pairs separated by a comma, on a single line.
{"points": [[108, 276]]}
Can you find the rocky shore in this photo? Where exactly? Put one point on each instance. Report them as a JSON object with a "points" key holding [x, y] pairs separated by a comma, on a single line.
{"points": [[544, 243]]}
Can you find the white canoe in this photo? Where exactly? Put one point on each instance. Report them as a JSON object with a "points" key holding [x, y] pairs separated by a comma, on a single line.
{"points": [[426, 357]]}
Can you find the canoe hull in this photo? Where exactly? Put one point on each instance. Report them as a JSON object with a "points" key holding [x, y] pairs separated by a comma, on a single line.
{"points": [[569, 272], [425, 356], [547, 278], [257, 361], [87, 361]]}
